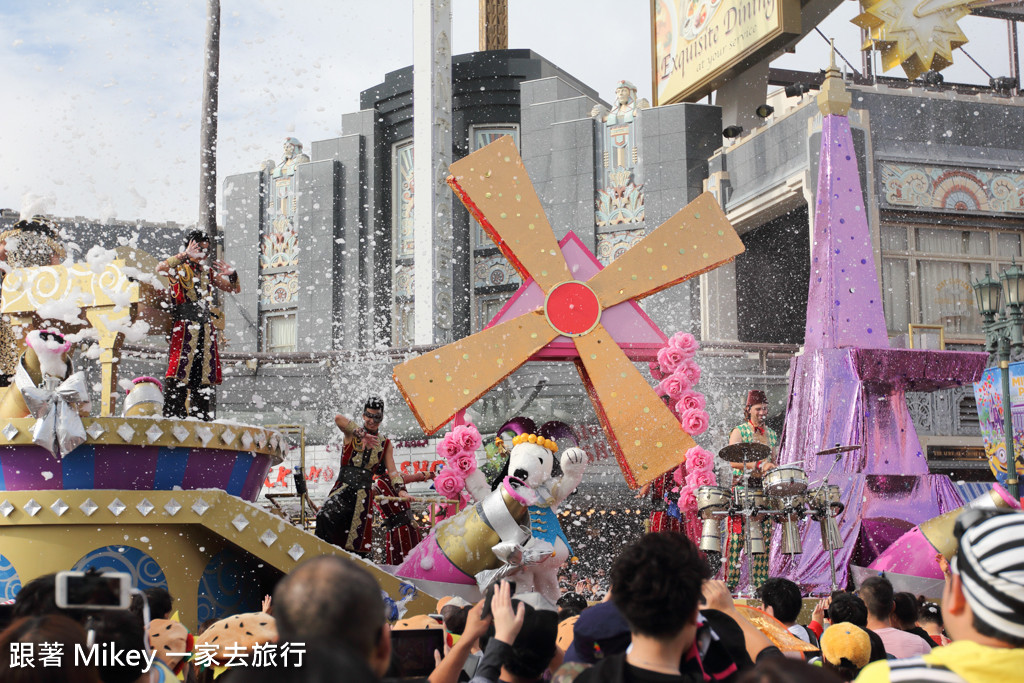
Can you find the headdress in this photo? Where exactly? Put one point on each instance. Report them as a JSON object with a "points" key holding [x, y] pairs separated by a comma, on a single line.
{"points": [[754, 397], [533, 438]]}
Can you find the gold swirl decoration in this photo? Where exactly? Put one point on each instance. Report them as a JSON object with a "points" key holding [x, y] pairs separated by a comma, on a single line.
{"points": [[45, 285], [27, 289]]}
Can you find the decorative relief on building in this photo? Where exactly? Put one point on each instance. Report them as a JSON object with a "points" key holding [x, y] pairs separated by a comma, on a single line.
{"points": [[494, 271], [619, 196], [404, 280], [279, 249], [953, 189], [485, 135], [405, 237], [612, 245], [279, 289]]}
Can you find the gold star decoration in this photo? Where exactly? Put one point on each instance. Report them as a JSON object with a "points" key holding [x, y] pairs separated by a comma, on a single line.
{"points": [[919, 35]]}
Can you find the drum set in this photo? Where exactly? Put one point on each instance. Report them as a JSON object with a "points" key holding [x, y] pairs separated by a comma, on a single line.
{"points": [[782, 493]]}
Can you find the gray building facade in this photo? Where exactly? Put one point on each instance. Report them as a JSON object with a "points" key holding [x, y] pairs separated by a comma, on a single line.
{"points": [[945, 200]]}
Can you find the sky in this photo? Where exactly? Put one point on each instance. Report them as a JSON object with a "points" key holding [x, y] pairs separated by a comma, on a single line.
{"points": [[100, 103]]}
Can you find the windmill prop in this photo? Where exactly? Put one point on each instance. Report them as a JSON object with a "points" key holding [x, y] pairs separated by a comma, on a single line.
{"points": [[493, 185]]}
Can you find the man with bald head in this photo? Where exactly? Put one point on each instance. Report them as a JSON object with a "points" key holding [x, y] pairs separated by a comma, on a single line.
{"points": [[331, 600]]}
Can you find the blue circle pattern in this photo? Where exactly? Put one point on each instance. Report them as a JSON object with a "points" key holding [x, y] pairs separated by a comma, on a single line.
{"points": [[225, 589], [10, 583], [144, 570]]}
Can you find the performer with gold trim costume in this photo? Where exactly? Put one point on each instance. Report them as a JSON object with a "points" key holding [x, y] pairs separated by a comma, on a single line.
{"points": [[345, 517], [193, 367], [660, 496], [33, 242], [752, 430]]}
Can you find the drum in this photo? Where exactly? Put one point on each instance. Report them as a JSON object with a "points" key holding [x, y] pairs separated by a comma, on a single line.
{"points": [[712, 499], [825, 496], [785, 480], [750, 498]]}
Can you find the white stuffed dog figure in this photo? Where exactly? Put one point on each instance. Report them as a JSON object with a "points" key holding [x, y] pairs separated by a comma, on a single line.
{"points": [[530, 480]]}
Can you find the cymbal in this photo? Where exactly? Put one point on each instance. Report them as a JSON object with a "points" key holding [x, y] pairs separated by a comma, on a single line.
{"points": [[745, 452], [838, 449]]}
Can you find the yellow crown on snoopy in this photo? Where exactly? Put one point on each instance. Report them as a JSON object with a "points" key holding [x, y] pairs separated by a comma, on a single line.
{"points": [[533, 438]]}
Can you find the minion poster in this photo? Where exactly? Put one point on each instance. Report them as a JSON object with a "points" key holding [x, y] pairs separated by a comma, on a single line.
{"points": [[698, 44], [989, 396]]}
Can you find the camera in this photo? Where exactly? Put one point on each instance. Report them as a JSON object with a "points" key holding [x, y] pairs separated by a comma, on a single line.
{"points": [[93, 590]]}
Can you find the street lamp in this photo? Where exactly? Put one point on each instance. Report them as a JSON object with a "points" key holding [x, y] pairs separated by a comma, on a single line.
{"points": [[1002, 334]]}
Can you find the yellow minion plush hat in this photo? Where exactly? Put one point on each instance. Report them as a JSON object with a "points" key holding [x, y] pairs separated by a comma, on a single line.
{"points": [[846, 641]]}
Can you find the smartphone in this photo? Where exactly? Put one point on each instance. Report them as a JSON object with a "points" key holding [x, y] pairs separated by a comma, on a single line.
{"points": [[92, 590], [412, 651]]}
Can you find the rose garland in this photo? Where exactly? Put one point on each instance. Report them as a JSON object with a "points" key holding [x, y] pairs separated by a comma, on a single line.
{"points": [[458, 450], [677, 373]]}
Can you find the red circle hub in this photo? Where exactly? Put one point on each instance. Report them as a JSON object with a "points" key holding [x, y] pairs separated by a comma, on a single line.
{"points": [[572, 308]]}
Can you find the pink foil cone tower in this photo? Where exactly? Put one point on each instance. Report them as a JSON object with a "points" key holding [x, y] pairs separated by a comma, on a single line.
{"points": [[848, 387]]}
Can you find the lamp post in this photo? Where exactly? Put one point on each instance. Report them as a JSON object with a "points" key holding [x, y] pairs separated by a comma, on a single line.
{"points": [[1003, 332]]}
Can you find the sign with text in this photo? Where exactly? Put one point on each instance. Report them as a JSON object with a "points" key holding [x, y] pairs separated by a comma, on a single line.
{"points": [[699, 44], [988, 393], [322, 462]]}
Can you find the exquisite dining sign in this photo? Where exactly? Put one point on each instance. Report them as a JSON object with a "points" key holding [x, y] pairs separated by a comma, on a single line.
{"points": [[699, 44]]}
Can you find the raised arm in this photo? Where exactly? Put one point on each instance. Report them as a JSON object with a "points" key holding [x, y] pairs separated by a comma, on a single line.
{"points": [[225, 278]]}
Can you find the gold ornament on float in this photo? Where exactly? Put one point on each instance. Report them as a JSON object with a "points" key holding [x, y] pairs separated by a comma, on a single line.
{"points": [[919, 35]]}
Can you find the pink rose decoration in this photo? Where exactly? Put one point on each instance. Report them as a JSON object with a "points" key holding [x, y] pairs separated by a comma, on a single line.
{"points": [[687, 499], [678, 474], [698, 478], [673, 386], [464, 464], [447, 448], [448, 484], [467, 437], [656, 372], [689, 400], [685, 342], [670, 358], [691, 371], [694, 422], [699, 459]]}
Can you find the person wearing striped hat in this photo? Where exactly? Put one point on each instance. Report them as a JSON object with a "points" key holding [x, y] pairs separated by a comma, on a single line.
{"points": [[982, 608]]}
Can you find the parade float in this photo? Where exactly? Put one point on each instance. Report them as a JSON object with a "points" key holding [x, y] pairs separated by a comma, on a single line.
{"points": [[169, 501]]}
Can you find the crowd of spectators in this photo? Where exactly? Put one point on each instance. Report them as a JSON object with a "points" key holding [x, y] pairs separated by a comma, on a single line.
{"points": [[662, 619]]}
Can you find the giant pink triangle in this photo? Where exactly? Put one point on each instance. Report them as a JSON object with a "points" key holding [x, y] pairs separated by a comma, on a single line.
{"points": [[627, 323]]}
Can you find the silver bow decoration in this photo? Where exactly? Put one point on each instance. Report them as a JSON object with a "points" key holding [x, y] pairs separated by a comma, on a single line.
{"points": [[58, 427], [514, 558]]}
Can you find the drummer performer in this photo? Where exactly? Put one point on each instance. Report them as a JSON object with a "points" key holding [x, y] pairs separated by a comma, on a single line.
{"points": [[752, 430]]}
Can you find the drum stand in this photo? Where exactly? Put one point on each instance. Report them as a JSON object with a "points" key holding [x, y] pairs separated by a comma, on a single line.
{"points": [[747, 590], [827, 540]]}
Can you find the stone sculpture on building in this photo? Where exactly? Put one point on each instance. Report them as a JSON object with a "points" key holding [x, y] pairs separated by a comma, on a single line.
{"points": [[293, 156], [619, 196]]}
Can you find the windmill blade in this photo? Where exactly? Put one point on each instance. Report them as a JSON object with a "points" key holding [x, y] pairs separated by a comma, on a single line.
{"points": [[496, 190], [646, 436], [439, 383], [697, 239]]}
